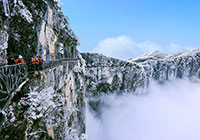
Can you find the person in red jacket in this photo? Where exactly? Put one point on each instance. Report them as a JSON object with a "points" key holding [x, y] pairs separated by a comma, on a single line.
{"points": [[19, 60], [35, 60]]}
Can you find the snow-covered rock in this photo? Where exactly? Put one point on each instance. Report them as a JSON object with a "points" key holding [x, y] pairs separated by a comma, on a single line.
{"points": [[151, 55], [3, 47], [105, 75], [37, 28], [52, 104]]}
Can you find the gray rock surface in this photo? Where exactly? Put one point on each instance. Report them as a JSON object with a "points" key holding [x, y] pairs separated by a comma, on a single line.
{"points": [[3, 47], [105, 75], [36, 28], [51, 105]]}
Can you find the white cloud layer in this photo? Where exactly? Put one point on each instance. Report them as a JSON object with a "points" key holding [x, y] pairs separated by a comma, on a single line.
{"points": [[123, 47], [168, 112]]}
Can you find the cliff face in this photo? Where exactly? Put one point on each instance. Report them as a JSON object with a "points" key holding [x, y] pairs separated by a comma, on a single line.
{"points": [[51, 104], [105, 75], [36, 28]]}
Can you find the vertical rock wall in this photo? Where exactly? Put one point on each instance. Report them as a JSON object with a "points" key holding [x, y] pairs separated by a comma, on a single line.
{"points": [[53, 106], [3, 47], [36, 28], [3, 35], [105, 75]]}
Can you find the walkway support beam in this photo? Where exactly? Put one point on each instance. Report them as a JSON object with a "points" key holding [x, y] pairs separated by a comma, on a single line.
{"points": [[11, 76]]}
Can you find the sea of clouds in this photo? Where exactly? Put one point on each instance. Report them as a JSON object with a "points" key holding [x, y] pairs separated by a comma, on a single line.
{"points": [[170, 111]]}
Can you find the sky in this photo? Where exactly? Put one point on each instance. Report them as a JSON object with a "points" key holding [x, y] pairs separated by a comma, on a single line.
{"points": [[167, 112], [129, 28]]}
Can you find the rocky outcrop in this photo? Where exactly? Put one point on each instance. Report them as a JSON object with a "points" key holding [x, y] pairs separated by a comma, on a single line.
{"points": [[179, 65], [36, 28], [3, 47], [105, 75], [50, 106]]}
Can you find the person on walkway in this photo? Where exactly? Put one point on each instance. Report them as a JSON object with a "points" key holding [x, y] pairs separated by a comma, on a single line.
{"points": [[11, 61], [35, 63], [19, 60], [41, 60], [35, 60]]}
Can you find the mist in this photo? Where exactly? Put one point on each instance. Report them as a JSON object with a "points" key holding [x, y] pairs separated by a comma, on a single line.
{"points": [[170, 111]]}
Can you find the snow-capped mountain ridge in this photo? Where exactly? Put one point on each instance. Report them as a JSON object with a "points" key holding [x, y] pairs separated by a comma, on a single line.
{"points": [[157, 55], [120, 76], [150, 55]]}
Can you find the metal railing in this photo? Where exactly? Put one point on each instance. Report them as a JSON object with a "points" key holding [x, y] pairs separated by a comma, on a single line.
{"points": [[11, 76], [51, 64], [14, 76]]}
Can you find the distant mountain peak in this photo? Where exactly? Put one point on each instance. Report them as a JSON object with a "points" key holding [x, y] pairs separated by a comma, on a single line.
{"points": [[155, 53], [150, 55]]}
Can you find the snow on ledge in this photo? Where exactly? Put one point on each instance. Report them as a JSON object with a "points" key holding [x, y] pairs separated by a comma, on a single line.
{"points": [[24, 12]]}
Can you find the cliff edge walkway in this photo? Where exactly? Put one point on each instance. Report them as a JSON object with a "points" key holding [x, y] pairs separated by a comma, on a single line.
{"points": [[13, 77]]}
